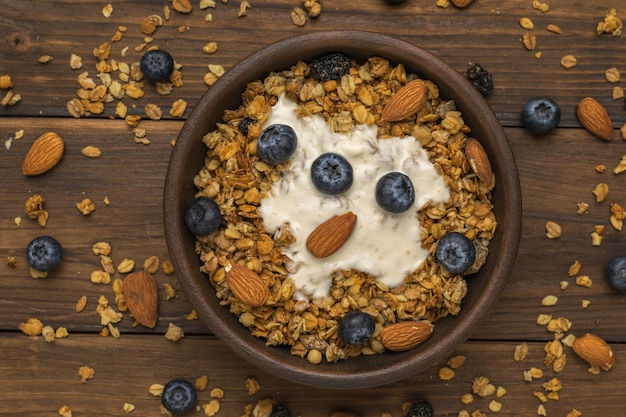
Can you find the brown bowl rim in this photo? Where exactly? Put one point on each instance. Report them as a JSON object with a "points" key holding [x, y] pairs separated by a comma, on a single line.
{"points": [[363, 371]]}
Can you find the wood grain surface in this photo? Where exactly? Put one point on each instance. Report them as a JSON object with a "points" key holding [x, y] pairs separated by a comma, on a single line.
{"points": [[557, 172]]}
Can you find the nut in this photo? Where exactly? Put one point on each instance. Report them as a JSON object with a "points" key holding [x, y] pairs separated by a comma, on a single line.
{"points": [[478, 160], [44, 154], [247, 285], [329, 236], [405, 335], [594, 350], [142, 297], [594, 117], [406, 102]]}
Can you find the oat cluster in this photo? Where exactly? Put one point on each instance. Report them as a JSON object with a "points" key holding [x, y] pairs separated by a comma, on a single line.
{"points": [[237, 180]]}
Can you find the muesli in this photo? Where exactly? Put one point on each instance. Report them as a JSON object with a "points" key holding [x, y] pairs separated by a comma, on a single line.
{"points": [[254, 196]]}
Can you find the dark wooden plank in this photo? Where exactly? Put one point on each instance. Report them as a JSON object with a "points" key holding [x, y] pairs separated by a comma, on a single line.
{"points": [[40, 377], [485, 32]]}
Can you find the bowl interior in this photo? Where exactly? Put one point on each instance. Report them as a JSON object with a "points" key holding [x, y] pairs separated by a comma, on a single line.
{"points": [[484, 287]]}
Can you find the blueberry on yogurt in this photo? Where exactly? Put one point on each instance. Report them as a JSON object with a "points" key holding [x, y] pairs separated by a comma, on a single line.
{"points": [[395, 192], [331, 173]]}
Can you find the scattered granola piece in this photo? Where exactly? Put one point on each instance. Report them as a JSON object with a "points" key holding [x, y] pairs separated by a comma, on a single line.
{"points": [[85, 372], [584, 281], [553, 230], [520, 352], [495, 406], [530, 41], [574, 268], [107, 10], [201, 383], [44, 59], [601, 191], [86, 207], [128, 408], [156, 389], [456, 361], [212, 408], [252, 385], [5, 82], [91, 151], [65, 411], [611, 24], [612, 75], [299, 17], [101, 248], [76, 62], [553, 28], [174, 333], [243, 8], [125, 266], [81, 304], [446, 373], [582, 208], [193, 315], [32, 327], [34, 208], [549, 300], [210, 48], [178, 108], [526, 23], [48, 334], [617, 93], [467, 398], [543, 7]]}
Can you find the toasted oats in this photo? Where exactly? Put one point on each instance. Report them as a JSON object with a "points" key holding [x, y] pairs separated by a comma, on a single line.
{"points": [[168, 267], [61, 333], [156, 389], [446, 373], [526, 23], [81, 304], [5, 82], [34, 209], [495, 406], [530, 41], [560, 324], [201, 383], [553, 28], [76, 62], [582, 208], [170, 292], [181, 6], [549, 300], [252, 385], [584, 281], [153, 111], [150, 24], [482, 387], [126, 266], [174, 333], [48, 334], [91, 152], [456, 361], [568, 61], [128, 408], [100, 277], [211, 408], [299, 17], [193, 315], [467, 398], [205, 4], [574, 413], [44, 59], [563, 285], [12, 261], [617, 93], [543, 7], [553, 230], [178, 108], [596, 238], [601, 191], [134, 90], [65, 411], [612, 75], [520, 352]]}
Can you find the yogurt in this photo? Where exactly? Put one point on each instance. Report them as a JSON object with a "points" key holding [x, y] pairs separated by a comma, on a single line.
{"points": [[385, 245]]}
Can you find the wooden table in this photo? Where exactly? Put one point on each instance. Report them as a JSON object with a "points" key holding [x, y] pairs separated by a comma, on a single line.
{"points": [[557, 172]]}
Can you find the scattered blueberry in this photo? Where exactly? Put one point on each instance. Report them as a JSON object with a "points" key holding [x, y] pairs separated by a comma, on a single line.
{"points": [[44, 253], [331, 173], [156, 65], [540, 115], [202, 216], [356, 328], [480, 78], [277, 143], [455, 252], [395, 192], [179, 396], [330, 67], [279, 410], [421, 409], [616, 273]]}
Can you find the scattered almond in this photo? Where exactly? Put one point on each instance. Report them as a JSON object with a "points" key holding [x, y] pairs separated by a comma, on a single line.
{"points": [[141, 295], [44, 154], [477, 157], [462, 3], [329, 236], [594, 350], [406, 102], [405, 335], [247, 285], [594, 117]]}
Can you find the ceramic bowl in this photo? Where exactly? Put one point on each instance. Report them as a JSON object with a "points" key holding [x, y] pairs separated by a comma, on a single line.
{"points": [[365, 371]]}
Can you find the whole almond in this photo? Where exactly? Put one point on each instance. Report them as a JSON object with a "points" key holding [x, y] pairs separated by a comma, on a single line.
{"points": [[406, 102], [462, 3], [329, 236], [247, 285], [594, 350], [142, 297], [478, 160], [405, 335], [43, 154], [594, 117]]}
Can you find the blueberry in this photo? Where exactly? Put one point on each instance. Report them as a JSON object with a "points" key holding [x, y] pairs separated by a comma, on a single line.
{"points": [[540, 115], [202, 216], [455, 252], [330, 67], [616, 273], [279, 410], [421, 409], [277, 143], [480, 78], [356, 328], [244, 125], [44, 253], [179, 396], [331, 173], [395, 192], [156, 65]]}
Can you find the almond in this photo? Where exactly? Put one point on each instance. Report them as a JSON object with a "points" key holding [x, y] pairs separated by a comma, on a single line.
{"points": [[247, 285], [478, 160], [329, 236], [405, 335], [142, 297], [594, 117], [462, 3], [406, 102], [594, 350], [44, 154]]}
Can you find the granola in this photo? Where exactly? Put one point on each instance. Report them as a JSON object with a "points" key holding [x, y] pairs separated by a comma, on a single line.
{"points": [[238, 181]]}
